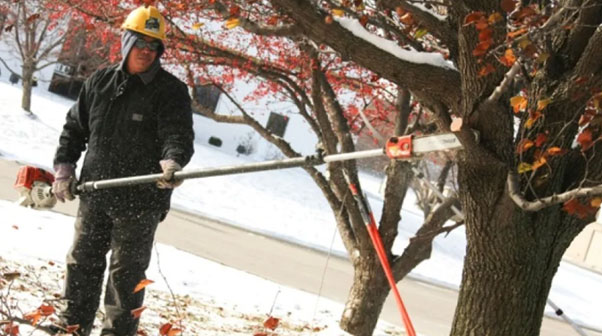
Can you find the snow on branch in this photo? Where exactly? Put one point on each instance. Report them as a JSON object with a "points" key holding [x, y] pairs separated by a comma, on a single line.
{"points": [[356, 28], [519, 199]]}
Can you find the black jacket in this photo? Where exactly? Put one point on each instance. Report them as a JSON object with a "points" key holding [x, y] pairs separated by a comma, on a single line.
{"points": [[128, 127]]}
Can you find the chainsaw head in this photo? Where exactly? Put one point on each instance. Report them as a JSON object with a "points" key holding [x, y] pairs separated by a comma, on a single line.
{"points": [[35, 188]]}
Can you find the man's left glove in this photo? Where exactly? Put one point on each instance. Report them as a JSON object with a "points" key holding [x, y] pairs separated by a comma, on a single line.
{"points": [[65, 176], [169, 167]]}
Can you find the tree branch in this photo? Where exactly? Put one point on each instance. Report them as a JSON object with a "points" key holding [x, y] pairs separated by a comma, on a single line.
{"points": [[521, 202], [441, 84], [434, 25]]}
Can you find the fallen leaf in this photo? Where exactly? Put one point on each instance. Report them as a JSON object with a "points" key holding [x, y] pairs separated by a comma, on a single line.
{"points": [[46, 310], [165, 328], [142, 284], [138, 311], [271, 323], [338, 12], [595, 202], [197, 25], [232, 23], [10, 276]]}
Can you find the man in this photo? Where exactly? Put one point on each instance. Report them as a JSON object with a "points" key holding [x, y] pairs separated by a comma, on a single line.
{"points": [[135, 119]]}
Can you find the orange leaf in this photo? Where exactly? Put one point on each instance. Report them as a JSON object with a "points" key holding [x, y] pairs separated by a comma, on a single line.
{"points": [[495, 17], [174, 332], [518, 103], [508, 59], [232, 23], [525, 12], [142, 284], [338, 12], [407, 19], [585, 139], [138, 311], [34, 317], [523, 145], [271, 323], [486, 70], [328, 19], [539, 162], [473, 17], [165, 329], [511, 35], [260, 334], [540, 139], [541, 104], [595, 202], [555, 151], [508, 5]]}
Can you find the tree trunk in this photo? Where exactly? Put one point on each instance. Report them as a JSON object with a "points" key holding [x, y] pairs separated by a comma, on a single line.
{"points": [[27, 77], [366, 297], [511, 259]]}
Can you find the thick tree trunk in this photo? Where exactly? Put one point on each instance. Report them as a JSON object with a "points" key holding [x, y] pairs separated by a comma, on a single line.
{"points": [[366, 297], [511, 259], [27, 85]]}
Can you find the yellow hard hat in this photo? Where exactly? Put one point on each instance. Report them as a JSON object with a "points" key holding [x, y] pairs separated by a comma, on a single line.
{"points": [[147, 21]]}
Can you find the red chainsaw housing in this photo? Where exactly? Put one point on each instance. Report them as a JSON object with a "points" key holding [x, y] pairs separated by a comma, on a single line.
{"points": [[399, 147], [27, 175]]}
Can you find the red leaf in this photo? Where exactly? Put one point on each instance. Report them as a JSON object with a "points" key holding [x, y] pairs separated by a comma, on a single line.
{"points": [[540, 139], [271, 323], [485, 34], [508, 5], [486, 70], [72, 328], [481, 48], [165, 329], [585, 139], [575, 208], [260, 334], [523, 145], [10, 329], [473, 17], [46, 310]]}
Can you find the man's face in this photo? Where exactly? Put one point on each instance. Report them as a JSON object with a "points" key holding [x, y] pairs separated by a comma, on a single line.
{"points": [[141, 56]]}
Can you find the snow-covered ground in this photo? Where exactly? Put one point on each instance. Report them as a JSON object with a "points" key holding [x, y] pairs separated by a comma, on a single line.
{"points": [[283, 203], [34, 243]]}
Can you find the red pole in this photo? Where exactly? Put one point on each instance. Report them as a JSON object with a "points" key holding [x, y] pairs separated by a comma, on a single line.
{"points": [[382, 256]]}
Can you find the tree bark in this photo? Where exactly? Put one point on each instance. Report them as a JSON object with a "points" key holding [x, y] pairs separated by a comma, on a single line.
{"points": [[27, 78], [366, 297], [511, 258]]}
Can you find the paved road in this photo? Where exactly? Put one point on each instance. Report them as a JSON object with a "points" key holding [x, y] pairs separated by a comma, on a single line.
{"points": [[430, 307]]}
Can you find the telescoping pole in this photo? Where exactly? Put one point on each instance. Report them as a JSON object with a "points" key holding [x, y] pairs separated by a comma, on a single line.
{"points": [[305, 161]]}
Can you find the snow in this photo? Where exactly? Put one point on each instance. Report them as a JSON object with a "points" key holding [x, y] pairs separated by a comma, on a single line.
{"points": [[233, 199], [413, 56]]}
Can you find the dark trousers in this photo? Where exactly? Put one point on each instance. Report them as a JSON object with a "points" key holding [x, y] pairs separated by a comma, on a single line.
{"points": [[129, 236]]}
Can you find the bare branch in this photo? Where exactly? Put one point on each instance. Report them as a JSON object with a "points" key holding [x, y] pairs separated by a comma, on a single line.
{"points": [[505, 83], [521, 202]]}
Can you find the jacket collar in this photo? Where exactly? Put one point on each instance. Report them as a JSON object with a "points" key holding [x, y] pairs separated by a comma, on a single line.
{"points": [[128, 38]]}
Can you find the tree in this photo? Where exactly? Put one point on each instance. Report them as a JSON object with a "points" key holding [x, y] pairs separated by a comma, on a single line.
{"points": [[513, 252], [524, 75], [331, 94]]}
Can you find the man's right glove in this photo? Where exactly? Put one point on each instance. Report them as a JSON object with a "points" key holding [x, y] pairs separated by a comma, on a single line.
{"points": [[65, 175], [169, 167]]}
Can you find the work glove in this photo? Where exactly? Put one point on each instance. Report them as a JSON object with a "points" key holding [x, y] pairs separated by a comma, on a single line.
{"points": [[64, 177], [169, 167]]}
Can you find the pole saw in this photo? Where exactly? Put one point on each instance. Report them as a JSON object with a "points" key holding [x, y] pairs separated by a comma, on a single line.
{"points": [[35, 185]]}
